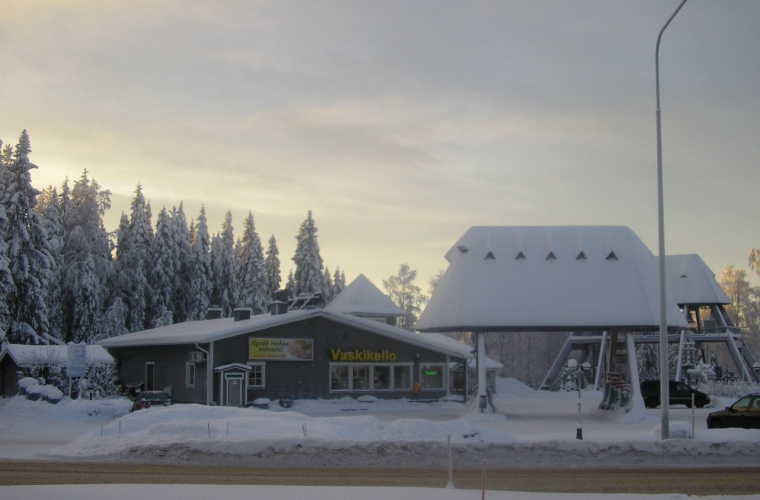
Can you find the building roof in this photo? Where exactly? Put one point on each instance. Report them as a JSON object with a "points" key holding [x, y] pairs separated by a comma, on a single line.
{"points": [[548, 278], [364, 298], [53, 354], [201, 332], [467, 351], [691, 282]]}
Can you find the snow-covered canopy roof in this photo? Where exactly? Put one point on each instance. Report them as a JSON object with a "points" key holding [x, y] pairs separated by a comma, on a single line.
{"points": [[54, 354], [201, 332], [550, 278], [364, 298], [691, 282]]}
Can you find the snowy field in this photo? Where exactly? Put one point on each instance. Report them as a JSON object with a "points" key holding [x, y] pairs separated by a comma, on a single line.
{"points": [[531, 429]]}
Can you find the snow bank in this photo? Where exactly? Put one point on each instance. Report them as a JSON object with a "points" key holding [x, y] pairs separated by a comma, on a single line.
{"points": [[18, 407]]}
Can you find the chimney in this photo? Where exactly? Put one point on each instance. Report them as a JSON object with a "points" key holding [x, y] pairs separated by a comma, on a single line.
{"points": [[278, 307], [213, 313], [241, 313]]}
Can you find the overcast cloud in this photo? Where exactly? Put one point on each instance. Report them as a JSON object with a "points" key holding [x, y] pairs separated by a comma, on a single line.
{"points": [[400, 124]]}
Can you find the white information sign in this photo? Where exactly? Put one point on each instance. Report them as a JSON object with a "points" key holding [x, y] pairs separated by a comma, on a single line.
{"points": [[77, 360]]}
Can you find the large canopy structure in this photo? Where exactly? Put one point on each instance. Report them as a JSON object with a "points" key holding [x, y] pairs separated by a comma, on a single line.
{"points": [[553, 278]]}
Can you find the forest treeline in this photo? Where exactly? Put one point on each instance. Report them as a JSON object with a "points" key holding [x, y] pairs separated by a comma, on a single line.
{"points": [[64, 277]]}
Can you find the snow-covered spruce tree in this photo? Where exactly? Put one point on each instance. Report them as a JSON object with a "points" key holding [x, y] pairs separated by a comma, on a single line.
{"points": [[87, 314], [327, 286], [181, 238], [308, 274], [200, 284], [215, 255], [162, 270], [84, 236], [28, 252], [6, 280], [290, 285], [116, 319], [134, 262], [50, 211], [272, 268], [339, 282], [251, 275], [228, 283]]}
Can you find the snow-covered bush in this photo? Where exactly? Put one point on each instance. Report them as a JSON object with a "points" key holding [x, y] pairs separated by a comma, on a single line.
{"points": [[34, 392], [51, 394], [99, 378], [26, 382], [728, 389]]}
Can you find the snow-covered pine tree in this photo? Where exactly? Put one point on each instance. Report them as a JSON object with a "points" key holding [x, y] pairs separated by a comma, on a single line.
{"points": [[327, 286], [182, 238], [50, 211], [201, 285], [122, 235], [272, 268], [308, 274], [28, 252], [162, 270], [116, 319], [227, 279], [251, 276]]}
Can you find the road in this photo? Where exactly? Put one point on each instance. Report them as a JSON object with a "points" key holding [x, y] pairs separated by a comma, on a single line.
{"points": [[708, 481]]}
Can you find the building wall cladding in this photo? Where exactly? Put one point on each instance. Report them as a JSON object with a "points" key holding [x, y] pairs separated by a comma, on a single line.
{"points": [[9, 377], [169, 362], [283, 379]]}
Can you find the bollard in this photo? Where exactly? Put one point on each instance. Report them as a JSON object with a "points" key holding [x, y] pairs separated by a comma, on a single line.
{"points": [[208, 425], [483, 483], [450, 486]]}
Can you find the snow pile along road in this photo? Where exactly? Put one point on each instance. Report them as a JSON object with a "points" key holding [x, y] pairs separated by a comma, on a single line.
{"points": [[223, 435]]}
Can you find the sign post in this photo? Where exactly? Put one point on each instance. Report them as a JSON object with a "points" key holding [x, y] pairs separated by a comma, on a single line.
{"points": [[76, 358]]}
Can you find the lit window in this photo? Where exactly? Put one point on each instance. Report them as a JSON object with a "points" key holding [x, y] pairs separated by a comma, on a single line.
{"points": [[382, 378], [431, 376]]}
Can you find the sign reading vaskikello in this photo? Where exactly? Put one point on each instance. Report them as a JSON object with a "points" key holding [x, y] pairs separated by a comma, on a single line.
{"points": [[281, 349]]}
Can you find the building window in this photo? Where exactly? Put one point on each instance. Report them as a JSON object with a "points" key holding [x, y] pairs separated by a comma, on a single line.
{"points": [[360, 378], [190, 375], [339, 378], [256, 376], [348, 377], [431, 376], [402, 378], [381, 379]]}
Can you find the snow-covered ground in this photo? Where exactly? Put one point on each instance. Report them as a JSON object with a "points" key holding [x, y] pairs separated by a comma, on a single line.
{"points": [[203, 492], [531, 429]]}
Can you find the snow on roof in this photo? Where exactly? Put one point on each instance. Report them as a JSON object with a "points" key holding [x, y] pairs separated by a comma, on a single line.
{"points": [[54, 354], [466, 350], [691, 282], [201, 332], [363, 297], [550, 278]]}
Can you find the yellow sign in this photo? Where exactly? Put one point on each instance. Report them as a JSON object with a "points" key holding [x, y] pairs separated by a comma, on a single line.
{"points": [[363, 355], [281, 349]]}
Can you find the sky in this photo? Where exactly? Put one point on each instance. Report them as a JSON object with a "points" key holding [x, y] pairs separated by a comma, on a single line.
{"points": [[399, 124]]}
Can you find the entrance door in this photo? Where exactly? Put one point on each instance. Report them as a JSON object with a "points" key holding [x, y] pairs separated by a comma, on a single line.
{"points": [[234, 390], [148, 376]]}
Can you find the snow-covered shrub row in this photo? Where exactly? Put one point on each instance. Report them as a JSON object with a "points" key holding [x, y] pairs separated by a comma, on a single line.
{"points": [[728, 389], [100, 379]]}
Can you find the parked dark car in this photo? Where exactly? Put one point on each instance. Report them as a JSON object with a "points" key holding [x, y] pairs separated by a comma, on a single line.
{"points": [[680, 394], [744, 413], [146, 399]]}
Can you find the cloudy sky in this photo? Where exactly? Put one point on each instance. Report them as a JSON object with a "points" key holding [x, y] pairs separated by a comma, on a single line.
{"points": [[398, 123]]}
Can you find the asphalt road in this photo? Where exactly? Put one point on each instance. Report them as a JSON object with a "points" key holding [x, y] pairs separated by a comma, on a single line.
{"points": [[707, 481]]}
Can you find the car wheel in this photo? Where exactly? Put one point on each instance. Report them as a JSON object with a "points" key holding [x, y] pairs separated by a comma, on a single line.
{"points": [[652, 402], [699, 404], [688, 404], [715, 424]]}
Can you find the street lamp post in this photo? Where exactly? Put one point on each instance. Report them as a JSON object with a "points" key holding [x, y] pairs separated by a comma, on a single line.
{"points": [[578, 371], [664, 377]]}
